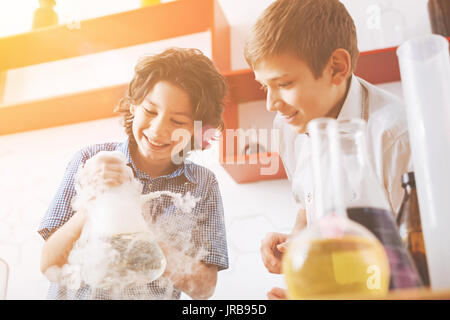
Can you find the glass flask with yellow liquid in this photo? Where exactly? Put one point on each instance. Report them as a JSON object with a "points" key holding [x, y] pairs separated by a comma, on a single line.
{"points": [[334, 257]]}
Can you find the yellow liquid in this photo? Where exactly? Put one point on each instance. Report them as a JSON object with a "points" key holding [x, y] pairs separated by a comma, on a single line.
{"points": [[145, 3], [347, 267]]}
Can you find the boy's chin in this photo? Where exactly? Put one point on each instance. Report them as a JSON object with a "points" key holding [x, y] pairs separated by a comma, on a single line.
{"points": [[151, 155], [298, 128]]}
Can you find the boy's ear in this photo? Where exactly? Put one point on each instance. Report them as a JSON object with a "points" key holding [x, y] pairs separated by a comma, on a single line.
{"points": [[340, 66]]}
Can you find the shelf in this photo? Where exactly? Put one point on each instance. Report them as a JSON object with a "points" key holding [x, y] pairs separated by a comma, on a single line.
{"points": [[99, 103], [379, 66], [120, 30], [115, 31], [56, 111], [245, 168], [243, 86]]}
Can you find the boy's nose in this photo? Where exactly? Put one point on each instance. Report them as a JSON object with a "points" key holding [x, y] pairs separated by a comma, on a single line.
{"points": [[159, 127], [273, 103]]}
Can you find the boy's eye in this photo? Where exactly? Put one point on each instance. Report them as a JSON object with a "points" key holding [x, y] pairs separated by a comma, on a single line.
{"points": [[149, 112], [285, 84], [178, 123]]}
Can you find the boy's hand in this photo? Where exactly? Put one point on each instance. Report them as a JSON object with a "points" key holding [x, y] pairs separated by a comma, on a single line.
{"points": [[272, 248], [106, 169], [277, 294]]}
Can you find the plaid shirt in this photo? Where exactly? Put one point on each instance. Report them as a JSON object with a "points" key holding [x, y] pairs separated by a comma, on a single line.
{"points": [[204, 227]]}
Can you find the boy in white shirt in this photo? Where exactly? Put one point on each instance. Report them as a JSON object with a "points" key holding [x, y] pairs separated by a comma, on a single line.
{"points": [[304, 53]]}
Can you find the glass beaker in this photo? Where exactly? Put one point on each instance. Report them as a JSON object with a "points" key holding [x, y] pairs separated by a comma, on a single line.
{"points": [[4, 274], [367, 202], [385, 25], [335, 257]]}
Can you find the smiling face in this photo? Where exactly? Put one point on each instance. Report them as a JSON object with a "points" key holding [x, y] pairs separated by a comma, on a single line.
{"points": [[165, 109], [294, 92]]}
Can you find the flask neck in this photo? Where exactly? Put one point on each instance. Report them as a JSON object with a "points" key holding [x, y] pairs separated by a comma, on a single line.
{"points": [[47, 4], [326, 163], [361, 185], [344, 176]]}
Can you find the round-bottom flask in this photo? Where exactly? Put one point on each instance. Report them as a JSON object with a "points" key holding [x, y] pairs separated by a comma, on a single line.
{"points": [[139, 260], [140, 255], [120, 261], [335, 258]]}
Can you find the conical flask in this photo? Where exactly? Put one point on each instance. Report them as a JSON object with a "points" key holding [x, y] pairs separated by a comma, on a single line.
{"points": [[367, 203], [335, 257]]}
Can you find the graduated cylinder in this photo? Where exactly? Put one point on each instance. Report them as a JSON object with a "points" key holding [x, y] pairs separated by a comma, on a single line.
{"points": [[425, 73]]}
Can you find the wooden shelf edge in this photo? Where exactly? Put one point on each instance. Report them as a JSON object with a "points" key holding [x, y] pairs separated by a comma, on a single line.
{"points": [[379, 65], [56, 111], [110, 32], [62, 110], [220, 39], [243, 86]]}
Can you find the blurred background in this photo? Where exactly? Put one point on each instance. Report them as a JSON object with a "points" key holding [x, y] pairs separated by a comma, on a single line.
{"points": [[32, 163]]}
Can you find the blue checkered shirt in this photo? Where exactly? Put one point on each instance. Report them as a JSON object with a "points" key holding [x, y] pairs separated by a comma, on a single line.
{"points": [[206, 227]]}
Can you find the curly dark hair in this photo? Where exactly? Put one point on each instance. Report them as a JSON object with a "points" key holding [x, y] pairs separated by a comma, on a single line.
{"points": [[188, 69]]}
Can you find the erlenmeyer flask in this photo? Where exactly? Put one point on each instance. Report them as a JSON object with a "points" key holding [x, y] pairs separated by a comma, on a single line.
{"points": [[335, 257], [367, 203], [4, 274]]}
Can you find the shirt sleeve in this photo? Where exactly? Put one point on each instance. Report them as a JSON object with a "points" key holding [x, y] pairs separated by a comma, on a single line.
{"points": [[210, 232], [396, 162], [60, 209]]}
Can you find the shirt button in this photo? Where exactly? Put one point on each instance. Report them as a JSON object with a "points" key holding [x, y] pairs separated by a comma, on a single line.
{"points": [[309, 197]]}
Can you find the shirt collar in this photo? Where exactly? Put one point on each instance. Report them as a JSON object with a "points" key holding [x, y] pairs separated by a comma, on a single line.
{"points": [[184, 169], [352, 107]]}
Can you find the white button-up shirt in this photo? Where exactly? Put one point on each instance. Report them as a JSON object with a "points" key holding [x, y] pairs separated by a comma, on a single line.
{"points": [[388, 144]]}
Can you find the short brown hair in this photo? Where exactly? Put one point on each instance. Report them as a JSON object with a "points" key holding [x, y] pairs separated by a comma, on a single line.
{"points": [[188, 69], [311, 29]]}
